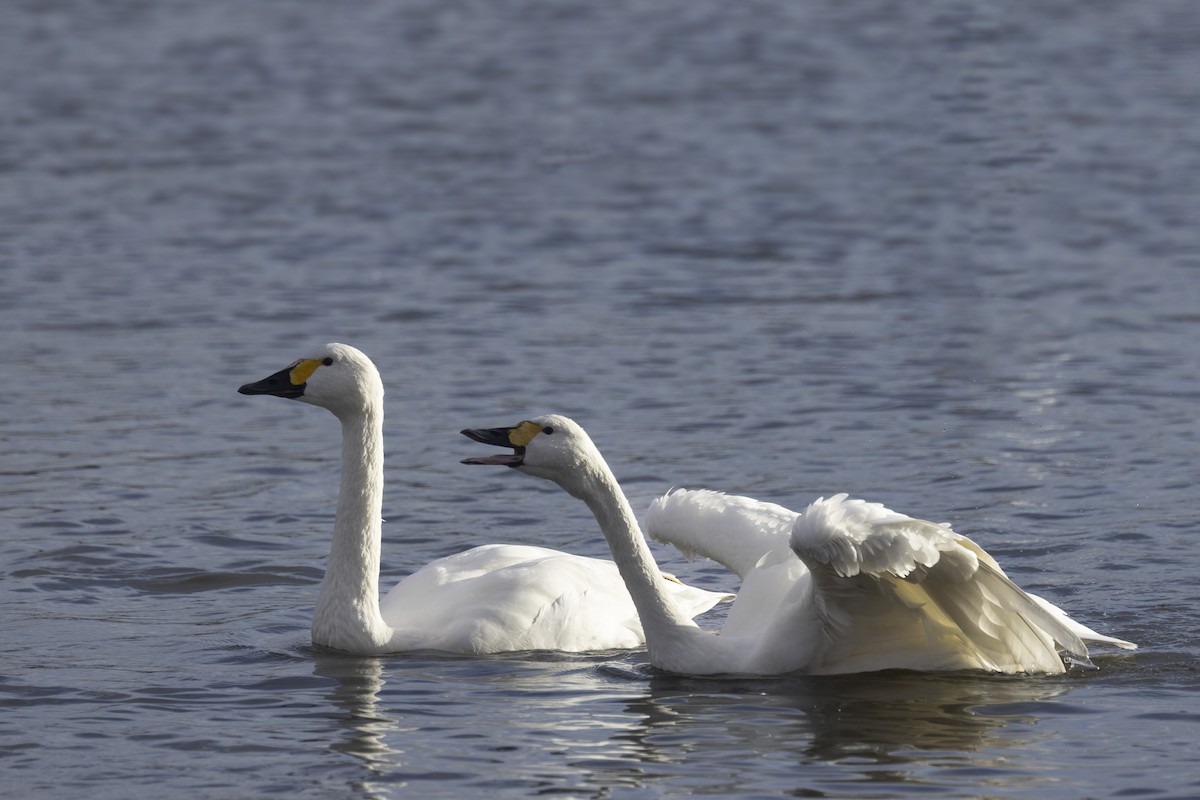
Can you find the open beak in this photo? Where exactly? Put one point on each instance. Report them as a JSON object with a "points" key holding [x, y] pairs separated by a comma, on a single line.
{"points": [[500, 437], [280, 384]]}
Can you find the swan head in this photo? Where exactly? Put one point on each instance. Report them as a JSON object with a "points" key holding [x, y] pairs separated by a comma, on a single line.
{"points": [[335, 376], [551, 446]]}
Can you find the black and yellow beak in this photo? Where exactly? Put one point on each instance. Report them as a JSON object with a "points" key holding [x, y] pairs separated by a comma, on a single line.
{"points": [[516, 438], [288, 382]]}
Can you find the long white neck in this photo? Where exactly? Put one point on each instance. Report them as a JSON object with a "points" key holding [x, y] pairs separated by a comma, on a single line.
{"points": [[673, 640], [347, 614]]}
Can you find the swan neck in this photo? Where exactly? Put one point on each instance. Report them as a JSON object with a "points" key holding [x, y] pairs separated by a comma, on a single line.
{"points": [[347, 615], [673, 641], [632, 555]]}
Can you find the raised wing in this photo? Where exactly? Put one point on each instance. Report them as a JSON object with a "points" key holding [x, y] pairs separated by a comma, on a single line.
{"points": [[734, 531], [896, 592]]}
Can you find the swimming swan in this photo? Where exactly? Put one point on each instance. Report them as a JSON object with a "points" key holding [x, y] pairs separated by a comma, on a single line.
{"points": [[863, 588], [753, 539], [490, 599]]}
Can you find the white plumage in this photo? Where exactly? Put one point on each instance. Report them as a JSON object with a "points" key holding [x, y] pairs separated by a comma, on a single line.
{"points": [[847, 586], [510, 597], [880, 580], [490, 599]]}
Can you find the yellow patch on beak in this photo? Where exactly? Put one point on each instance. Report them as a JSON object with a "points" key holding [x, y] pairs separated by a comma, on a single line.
{"points": [[523, 434], [303, 371]]}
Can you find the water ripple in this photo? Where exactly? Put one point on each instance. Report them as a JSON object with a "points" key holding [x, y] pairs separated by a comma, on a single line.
{"points": [[940, 255]]}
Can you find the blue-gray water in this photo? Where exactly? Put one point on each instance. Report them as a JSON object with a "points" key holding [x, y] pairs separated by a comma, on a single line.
{"points": [[941, 255]]}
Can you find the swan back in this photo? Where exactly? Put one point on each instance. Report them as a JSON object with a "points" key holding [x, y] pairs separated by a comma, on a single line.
{"points": [[498, 598]]}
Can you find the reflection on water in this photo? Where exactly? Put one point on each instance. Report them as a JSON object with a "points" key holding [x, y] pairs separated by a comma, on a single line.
{"points": [[940, 254], [878, 715], [885, 726], [363, 724], [551, 723]]}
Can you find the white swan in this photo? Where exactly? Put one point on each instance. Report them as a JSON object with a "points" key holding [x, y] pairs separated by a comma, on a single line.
{"points": [[754, 539], [866, 589], [490, 599]]}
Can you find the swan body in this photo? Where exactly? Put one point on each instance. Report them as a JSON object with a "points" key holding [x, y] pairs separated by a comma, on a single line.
{"points": [[490, 599], [846, 586], [753, 538]]}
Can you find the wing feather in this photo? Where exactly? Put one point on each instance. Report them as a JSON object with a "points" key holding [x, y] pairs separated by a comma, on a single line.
{"points": [[873, 568], [734, 531], [871, 589]]}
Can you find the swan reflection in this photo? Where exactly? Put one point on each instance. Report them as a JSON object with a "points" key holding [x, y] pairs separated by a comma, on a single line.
{"points": [[886, 727], [365, 726], [568, 723]]}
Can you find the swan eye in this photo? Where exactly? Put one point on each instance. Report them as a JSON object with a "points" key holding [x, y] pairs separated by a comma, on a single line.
{"points": [[327, 361], [548, 430]]}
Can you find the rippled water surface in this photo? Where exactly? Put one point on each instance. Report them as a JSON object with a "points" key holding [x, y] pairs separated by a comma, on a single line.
{"points": [[943, 256]]}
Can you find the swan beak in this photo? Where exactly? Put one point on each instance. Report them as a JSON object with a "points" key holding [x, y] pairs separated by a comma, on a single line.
{"points": [[280, 384], [500, 437]]}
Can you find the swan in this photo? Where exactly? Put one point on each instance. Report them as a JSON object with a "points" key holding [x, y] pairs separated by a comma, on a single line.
{"points": [[753, 539], [490, 599], [856, 588]]}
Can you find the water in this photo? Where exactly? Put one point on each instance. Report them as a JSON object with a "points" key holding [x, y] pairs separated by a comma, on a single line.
{"points": [[944, 256]]}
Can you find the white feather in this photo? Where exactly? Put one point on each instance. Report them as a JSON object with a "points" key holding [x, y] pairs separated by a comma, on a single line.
{"points": [[489, 599], [859, 587]]}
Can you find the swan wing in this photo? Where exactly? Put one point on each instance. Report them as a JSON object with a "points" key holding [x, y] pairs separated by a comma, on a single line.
{"points": [[896, 592], [502, 597], [691, 599], [1085, 633], [734, 531]]}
